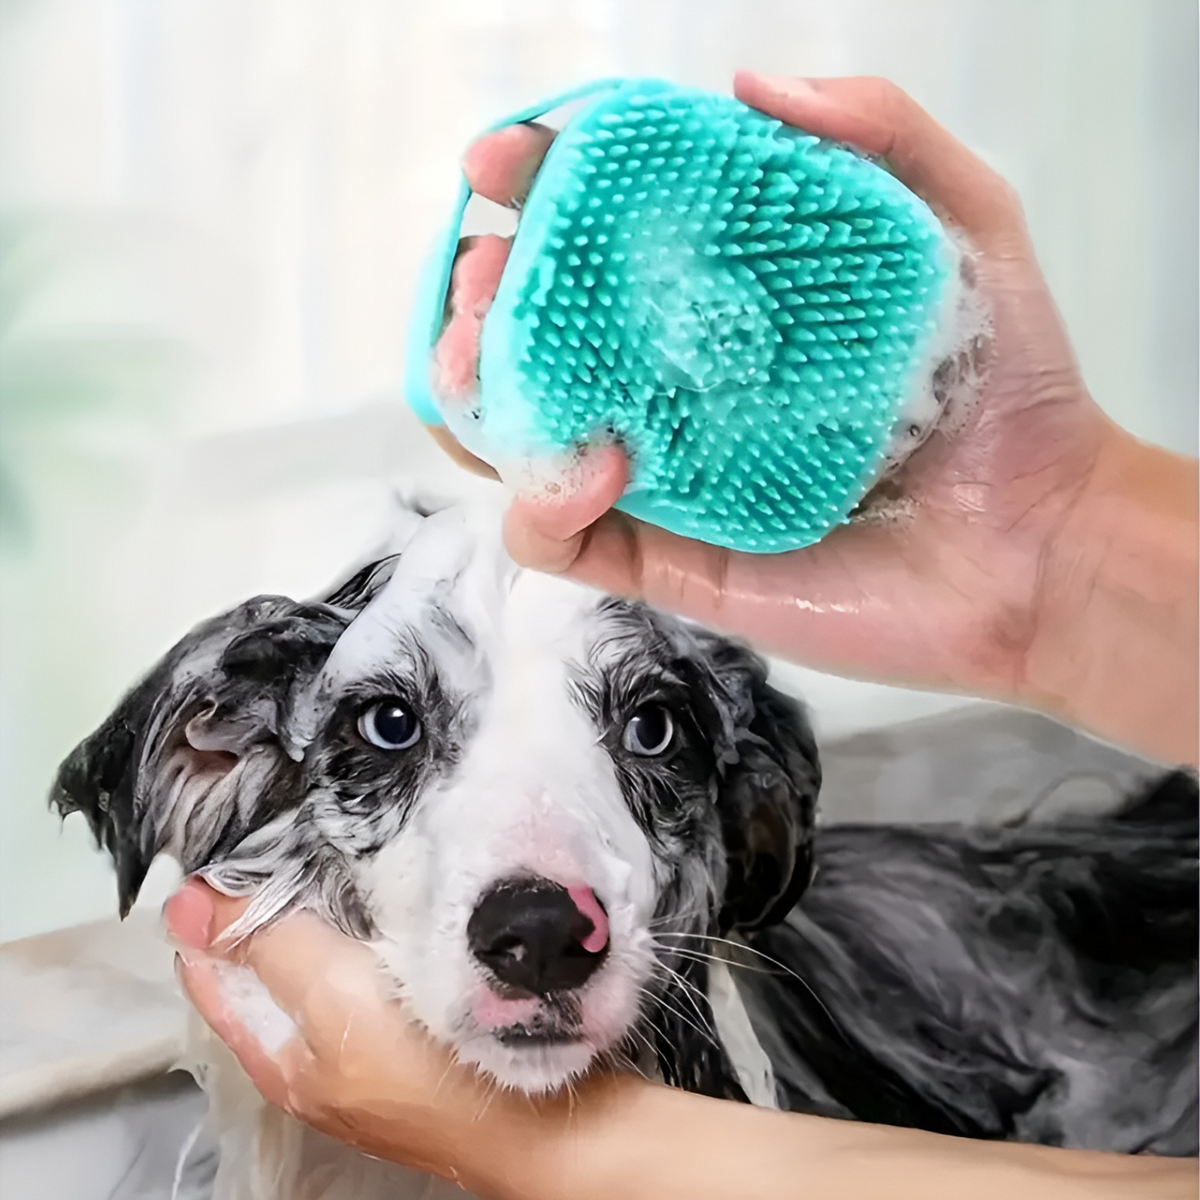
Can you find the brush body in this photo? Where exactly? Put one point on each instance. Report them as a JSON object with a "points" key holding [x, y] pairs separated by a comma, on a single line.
{"points": [[754, 313]]}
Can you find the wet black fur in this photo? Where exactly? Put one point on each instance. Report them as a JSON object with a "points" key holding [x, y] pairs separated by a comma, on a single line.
{"points": [[261, 650], [943, 977]]}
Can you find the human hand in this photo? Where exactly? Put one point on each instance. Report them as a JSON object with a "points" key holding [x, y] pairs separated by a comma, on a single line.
{"points": [[356, 1068], [358, 1071], [978, 577]]}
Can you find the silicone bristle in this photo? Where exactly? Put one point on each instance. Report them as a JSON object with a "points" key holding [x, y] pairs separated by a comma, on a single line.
{"points": [[739, 303]]}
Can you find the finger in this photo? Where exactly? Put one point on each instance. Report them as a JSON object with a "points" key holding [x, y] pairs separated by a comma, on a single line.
{"points": [[189, 915], [304, 963], [473, 284], [501, 165], [310, 969], [547, 530], [804, 602], [200, 979], [867, 602], [623, 555], [879, 118]]}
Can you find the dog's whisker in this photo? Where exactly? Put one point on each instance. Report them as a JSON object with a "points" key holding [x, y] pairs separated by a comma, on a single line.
{"points": [[617, 1056], [782, 968], [696, 1002], [489, 1095], [713, 939], [654, 1026], [662, 1002], [681, 917], [690, 992], [698, 956]]}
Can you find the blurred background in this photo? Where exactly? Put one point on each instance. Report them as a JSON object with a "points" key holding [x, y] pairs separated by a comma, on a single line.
{"points": [[211, 216]]}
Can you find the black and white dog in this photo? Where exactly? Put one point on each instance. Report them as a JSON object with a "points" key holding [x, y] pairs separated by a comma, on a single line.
{"points": [[577, 831]]}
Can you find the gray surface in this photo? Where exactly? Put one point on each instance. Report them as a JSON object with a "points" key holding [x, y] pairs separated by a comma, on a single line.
{"points": [[985, 764], [116, 1145]]}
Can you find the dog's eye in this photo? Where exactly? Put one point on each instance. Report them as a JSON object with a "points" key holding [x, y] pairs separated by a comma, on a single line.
{"points": [[650, 731], [390, 725]]}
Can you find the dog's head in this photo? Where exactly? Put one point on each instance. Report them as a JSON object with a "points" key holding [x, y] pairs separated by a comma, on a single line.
{"points": [[530, 796]]}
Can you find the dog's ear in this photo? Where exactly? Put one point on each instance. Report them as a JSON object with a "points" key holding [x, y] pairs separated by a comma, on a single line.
{"points": [[195, 757], [768, 803], [769, 777]]}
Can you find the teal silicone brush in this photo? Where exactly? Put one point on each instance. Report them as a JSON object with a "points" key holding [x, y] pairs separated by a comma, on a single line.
{"points": [[754, 313]]}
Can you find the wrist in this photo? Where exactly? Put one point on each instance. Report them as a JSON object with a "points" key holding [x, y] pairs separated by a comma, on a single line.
{"points": [[553, 1148], [616, 1137], [1115, 650]]}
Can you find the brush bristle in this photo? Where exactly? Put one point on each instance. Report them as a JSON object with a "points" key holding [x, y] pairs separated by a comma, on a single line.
{"points": [[741, 304]]}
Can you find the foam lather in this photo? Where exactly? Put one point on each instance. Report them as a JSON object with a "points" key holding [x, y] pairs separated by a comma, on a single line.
{"points": [[753, 312]]}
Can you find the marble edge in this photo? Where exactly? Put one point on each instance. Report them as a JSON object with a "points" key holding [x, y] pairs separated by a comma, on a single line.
{"points": [[38, 1088]]}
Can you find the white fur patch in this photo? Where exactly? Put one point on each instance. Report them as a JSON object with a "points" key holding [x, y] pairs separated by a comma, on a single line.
{"points": [[534, 795], [749, 1059]]}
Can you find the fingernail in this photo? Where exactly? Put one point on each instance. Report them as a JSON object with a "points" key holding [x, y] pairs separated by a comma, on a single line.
{"points": [[788, 86], [189, 916]]}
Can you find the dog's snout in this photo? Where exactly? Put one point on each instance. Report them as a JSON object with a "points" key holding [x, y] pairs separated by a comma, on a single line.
{"points": [[536, 936]]}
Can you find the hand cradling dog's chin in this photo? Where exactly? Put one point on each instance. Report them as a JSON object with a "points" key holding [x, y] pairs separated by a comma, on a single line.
{"points": [[352, 1064]]}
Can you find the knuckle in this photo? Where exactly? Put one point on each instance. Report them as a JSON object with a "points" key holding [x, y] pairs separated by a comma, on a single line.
{"points": [[1011, 199], [890, 101], [1006, 205]]}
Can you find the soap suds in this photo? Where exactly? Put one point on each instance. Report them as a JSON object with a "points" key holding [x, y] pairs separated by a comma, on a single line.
{"points": [[249, 1001], [947, 385]]}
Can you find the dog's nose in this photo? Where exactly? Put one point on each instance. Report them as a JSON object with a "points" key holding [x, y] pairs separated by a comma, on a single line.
{"points": [[534, 935]]}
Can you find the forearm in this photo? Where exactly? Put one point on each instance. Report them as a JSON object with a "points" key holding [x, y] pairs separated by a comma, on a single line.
{"points": [[632, 1140], [1116, 647]]}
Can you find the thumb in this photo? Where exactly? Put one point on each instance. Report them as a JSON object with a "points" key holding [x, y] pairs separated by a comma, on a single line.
{"points": [[547, 531], [879, 118], [306, 964]]}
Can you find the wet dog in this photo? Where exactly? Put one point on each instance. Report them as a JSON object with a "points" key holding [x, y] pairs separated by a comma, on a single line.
{"points": [[576, 831]]}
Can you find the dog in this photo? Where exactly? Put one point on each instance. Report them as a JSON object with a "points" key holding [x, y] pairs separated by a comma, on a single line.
{"points": [[581, 835]]}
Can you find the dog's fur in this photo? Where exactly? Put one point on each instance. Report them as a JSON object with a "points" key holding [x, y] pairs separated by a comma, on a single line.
{"points": [[1035, 984]]}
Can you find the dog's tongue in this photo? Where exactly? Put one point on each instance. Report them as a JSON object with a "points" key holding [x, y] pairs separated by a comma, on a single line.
{"points": [[585, 900]]}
